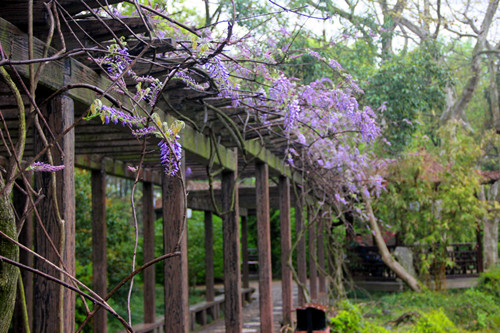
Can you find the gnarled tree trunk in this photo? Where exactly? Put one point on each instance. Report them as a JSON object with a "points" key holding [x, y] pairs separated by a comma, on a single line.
{"points": [[8, 272], [387, 258]]}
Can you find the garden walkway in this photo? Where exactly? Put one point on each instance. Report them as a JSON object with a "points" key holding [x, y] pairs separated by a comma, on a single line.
{"points": [[251, 321]]}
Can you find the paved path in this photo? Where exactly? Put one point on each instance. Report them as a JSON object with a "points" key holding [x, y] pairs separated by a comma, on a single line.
{"points": [[251, 322]]}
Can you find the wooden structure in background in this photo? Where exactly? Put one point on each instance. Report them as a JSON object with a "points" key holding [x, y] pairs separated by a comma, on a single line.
{"points": [[110, 149]]}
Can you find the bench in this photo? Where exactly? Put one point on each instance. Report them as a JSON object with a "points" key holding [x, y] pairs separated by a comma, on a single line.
{"points": [[198, 314]]}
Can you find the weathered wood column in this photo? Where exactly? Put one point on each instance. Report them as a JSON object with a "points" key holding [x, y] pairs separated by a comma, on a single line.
{"points": [[99, 248], [313, 271], [49, 315], [231, 247], [176, 268], [286, 245], [244, 253], [209, 258], [264, 245], [301, 245], [19, 200], [321, 255], [148, 208]]}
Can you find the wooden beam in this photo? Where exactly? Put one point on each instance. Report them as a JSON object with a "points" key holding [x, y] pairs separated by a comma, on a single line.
{"points": [[99, 248], [56, 317], [231, 246], [148, 208], [313, 272], [286, 245], [116, 168], [176, 268], [301, 245], [276, 165], [264, 247], [90, 31], [16, 11], [57, 74]]}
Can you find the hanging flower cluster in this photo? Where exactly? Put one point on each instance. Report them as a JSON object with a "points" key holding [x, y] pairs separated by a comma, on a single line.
{"points": [[220, 74], [117, 64], [44, 167]]}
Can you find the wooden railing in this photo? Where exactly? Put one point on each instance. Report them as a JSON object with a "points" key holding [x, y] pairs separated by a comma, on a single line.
{"points": [[198, 314]]}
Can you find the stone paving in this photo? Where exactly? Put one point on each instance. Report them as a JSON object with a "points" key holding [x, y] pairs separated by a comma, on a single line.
{"points": [[251, 322]]}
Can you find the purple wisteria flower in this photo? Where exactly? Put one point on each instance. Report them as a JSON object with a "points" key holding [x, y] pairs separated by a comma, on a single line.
{"points": [[44, 167], [110, 114], [141, 132], [220, 74], [171, 160]]}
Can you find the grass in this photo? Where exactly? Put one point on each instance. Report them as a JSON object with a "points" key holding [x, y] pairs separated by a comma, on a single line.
{"points": [[465, 310]]}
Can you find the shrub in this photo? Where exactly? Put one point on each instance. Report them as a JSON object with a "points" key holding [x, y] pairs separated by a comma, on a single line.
{"points": [[434, 322], [350, 320], [489, 282]]}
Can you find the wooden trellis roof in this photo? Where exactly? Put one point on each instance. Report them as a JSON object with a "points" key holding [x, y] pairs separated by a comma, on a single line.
{"points": [[113, 144]]}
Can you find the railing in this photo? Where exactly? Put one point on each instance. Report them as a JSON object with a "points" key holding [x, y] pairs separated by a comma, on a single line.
{"points": [[365, 263], [198, 314], [465, 258]]}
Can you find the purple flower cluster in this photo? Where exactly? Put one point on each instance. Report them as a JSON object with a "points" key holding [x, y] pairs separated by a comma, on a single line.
{"points": [[220, 74], [170, 155], [110, 114], [149, 93], [181, 75], [283, 96], [141, 132], [44, 167], [115, 63]]}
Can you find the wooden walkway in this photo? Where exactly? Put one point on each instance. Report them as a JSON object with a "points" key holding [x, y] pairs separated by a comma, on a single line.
{"points": [[251, 322]]}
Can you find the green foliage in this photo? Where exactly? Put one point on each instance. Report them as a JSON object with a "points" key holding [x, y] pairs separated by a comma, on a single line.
{"points": [[196, 246], [412, 86], [434, 322], [350, 320], [489, 282], [431, 196], [120, 236], [474, 309]]}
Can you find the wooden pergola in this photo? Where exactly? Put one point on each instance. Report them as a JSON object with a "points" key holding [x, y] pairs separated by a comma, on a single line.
{"points": [[208, 141]]}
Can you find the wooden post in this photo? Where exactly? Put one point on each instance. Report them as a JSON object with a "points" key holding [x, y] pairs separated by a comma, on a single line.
{"points": [[49, 314], [313, 272], [301, 245], [244, 253], [286, 245], [99, 248], [19, 200], [264, 245], [321, 256], [149, 251], [231, 247], [176, 268], [209, 257]]}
